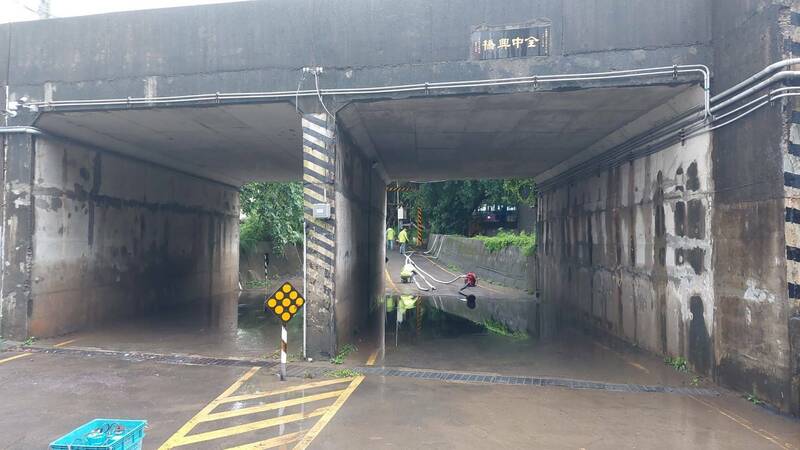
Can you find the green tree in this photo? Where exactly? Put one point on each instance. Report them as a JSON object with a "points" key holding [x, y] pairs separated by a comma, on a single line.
{"points": [[273, 212], [451, 204]]}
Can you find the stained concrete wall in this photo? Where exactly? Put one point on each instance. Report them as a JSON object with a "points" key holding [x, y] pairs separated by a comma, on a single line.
{"points": [[752, 350], [360, 248], [113, 237], [629, 251], [17, 235]]}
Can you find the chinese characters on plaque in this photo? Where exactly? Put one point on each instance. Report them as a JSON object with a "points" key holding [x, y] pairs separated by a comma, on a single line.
{"points": [[504, 42]]}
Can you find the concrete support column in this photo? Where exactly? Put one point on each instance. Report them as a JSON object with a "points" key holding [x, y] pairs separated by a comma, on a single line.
{"points": [[17, 235], [345, 261], [319, 171]]}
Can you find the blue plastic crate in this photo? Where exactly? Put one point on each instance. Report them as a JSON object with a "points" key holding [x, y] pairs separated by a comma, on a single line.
{"points": [[106, 436]]}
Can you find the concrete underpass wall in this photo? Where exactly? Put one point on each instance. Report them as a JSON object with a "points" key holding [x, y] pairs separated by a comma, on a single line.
{"points": [[114, 237], [360, 248], [17, 235], [629, 252], [755, 172]]}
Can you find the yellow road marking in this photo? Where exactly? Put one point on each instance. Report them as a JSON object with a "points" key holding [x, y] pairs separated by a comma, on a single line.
{"points": [[764, 434], [248, 427], [65, 343], [332, 410], [270, 443], [372, 358], [179, 435], [437, 265], [303, 387], [622, 357], [270, 406], [638, 366], [15, 357], [389, 278]]}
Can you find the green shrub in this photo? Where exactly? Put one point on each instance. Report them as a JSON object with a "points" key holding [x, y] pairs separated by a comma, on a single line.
{"points": [[343, 352], [524, 241], [678, 363], [343, 373], [501, 329], [273, 212]]}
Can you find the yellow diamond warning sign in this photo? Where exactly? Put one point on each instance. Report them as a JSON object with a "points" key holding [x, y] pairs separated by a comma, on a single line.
{"points": [[285, 302]]}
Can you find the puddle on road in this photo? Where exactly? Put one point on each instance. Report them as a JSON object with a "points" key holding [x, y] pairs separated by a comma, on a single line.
{"points": [[433, 317], [503, 336], [446, 332], [233, 325]]}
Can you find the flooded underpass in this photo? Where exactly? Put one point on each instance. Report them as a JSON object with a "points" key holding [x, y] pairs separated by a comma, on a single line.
{"points": [[227, 326], [504, 336]]}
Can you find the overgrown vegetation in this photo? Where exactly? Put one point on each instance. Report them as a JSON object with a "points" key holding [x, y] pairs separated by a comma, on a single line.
{"points": [[273, 212], [696, 381], [678, 363], [290, 357], [30, 341], [449, 205], [524, 241], [256, 284], [343, 352], [501, 329], [343, 373], [753, 398]]}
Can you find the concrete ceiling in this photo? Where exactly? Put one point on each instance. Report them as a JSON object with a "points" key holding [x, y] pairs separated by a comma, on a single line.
{"points": [[493, 136], [432, 138], [233, 144]]}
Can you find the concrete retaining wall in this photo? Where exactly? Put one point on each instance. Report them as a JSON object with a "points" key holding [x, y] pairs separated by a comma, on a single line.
{"points": [[508, 267], [251, 262], [115, 237]]}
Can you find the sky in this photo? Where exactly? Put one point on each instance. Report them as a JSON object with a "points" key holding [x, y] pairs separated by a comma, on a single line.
{"points": [[20, 10]]}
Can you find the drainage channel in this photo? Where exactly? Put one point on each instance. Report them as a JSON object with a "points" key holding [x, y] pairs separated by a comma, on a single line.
{"points": [[533, 381], [306, 371]]}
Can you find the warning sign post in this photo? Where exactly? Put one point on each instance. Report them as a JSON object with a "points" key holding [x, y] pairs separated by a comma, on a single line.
{"points": [[285, 302]]}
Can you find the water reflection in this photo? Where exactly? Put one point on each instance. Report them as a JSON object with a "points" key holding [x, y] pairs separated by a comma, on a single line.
{"points": [[412, 317], [231, 325]]}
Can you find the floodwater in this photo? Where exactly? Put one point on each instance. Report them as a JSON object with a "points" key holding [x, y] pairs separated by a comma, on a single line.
{"points": [[233, 325], [504, 336]]}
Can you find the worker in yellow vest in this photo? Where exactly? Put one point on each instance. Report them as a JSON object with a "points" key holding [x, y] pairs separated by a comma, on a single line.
{"points": [[402, 239], [390, 239]]}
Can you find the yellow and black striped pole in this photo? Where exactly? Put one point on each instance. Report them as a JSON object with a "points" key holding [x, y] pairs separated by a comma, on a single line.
{"points": [[419, 227]]}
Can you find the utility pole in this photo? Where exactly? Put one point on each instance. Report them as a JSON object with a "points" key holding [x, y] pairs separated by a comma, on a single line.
{"points": [[44, 9]]}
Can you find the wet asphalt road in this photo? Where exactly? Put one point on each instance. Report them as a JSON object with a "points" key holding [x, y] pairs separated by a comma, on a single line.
{"points": [[47, 395]]}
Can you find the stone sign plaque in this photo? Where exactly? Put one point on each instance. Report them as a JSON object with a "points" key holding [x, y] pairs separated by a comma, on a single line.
{"points": [[511, 41]]}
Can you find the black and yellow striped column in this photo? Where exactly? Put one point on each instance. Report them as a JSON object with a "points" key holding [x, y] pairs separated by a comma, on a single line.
{"points": [[319, 171], [419, 227]]}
